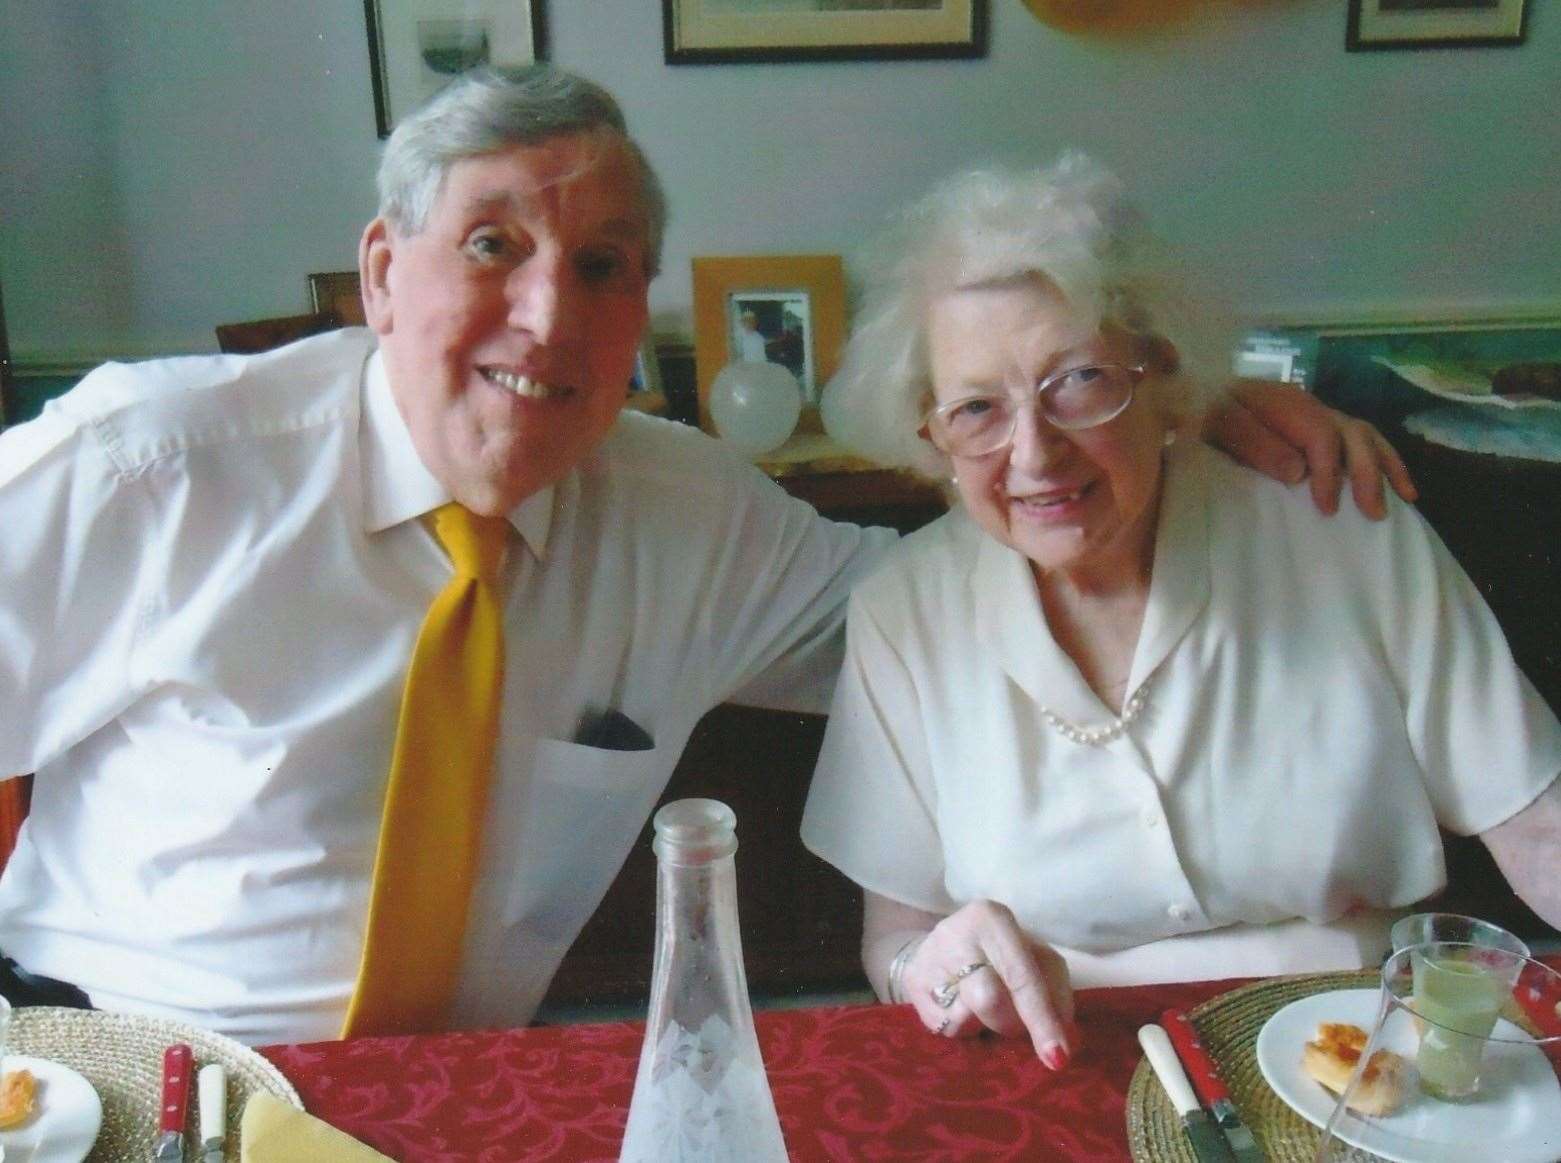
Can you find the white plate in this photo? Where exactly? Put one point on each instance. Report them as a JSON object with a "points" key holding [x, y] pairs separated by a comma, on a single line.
{"points": [[66, 1121], [1518, 1117]]}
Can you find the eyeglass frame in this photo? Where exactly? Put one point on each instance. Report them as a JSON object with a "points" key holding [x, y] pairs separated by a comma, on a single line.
{"points": [[1036, 397]]}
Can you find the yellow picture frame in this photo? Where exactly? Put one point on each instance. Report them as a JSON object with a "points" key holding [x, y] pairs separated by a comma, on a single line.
{"points": [[782, 291]]}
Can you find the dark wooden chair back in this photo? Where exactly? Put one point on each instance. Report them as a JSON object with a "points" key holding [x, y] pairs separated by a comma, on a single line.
{"points": [[335, 298], [264, 334]]}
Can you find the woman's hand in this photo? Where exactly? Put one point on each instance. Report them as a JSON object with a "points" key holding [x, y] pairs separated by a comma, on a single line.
{"points": [[977, 970], [1290, 434]]}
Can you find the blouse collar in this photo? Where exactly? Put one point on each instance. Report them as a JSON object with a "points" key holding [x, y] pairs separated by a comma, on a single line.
{"points": [[1010, 624]]}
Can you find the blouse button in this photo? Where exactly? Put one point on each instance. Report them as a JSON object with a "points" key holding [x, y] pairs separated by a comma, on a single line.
{"points": [[1178, 912]]}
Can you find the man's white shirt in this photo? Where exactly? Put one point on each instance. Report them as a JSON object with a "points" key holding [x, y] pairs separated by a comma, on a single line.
{"points": [[213, 573]]}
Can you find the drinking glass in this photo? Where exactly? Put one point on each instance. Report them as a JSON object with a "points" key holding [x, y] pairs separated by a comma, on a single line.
{"points": [[1420, 928], [1478, 1035]]}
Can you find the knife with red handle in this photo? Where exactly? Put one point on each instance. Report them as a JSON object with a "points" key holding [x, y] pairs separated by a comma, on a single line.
{"points": [[178, 1065], [1539, 998], [1541, 1001], [1211, 1088]]}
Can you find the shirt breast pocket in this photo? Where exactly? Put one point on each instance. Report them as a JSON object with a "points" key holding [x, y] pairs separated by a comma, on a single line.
{"points": [[583, 811]]}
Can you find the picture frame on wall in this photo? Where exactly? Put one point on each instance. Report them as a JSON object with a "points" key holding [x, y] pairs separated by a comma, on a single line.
{"points": [[337, 293], [786, 309], [417, 46], [1396, 24], [698, 32]]}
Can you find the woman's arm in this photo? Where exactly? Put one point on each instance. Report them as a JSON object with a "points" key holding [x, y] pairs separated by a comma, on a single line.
{"points": [[992, 976], [1527, 848], [1289, 434]]}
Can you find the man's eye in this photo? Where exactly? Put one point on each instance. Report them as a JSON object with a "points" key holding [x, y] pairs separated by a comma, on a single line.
{"points": [[489, 245], [603, 267]]}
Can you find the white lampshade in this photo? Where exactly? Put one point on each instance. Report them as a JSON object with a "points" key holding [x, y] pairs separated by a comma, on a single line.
{"points": [[755, 405]]}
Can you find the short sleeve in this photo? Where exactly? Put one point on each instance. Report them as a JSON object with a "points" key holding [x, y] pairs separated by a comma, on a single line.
{"points": [[1486, 742], [872, 811], [70, 560]]}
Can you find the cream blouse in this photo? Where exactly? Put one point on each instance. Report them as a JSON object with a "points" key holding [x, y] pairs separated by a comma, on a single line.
{"points": [[1321, 694]]}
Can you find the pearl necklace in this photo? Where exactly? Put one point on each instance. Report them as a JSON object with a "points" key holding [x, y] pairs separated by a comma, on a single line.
{"points": [[1095, 736]]}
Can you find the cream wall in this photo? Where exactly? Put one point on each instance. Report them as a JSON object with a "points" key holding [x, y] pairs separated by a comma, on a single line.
{"points": [[169, 164]]}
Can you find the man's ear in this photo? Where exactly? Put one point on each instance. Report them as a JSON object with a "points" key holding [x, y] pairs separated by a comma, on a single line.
{"points": [[374, 255]]}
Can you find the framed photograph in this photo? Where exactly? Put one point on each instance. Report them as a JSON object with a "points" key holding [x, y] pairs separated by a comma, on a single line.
{"points": [[645, 391], [783, 309], [1390, 24], [699, 32], [647, 370], [337, 293], [417, 46]]}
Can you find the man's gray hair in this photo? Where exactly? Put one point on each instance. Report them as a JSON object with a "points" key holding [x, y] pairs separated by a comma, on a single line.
{"points": [[1069, 225], [489, 110]]}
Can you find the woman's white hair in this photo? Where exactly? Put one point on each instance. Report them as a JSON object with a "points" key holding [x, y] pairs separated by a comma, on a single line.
{"points": [[492, 109], [1070, 225]]}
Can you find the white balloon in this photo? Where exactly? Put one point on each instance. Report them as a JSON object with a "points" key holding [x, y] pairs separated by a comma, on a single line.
{"points": [[755, 405]]}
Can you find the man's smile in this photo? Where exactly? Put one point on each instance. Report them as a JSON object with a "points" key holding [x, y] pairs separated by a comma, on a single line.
{"points": [[523, 385]]}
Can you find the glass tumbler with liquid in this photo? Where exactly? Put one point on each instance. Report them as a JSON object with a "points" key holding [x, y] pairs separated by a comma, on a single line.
{"points": [[1459, 990]]}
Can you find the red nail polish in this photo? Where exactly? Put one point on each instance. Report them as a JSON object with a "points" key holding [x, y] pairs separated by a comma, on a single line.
{"points": [[1055, 1055]]}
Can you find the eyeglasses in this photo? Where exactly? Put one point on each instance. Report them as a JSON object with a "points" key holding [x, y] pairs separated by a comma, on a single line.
{"points": [[1074, 399]]}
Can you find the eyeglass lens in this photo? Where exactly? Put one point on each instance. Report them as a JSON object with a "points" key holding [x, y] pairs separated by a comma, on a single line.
{"points": [[1078, 398]]}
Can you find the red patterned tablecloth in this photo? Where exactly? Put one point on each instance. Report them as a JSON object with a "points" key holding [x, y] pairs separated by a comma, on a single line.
{"points": [[857, 1083]]}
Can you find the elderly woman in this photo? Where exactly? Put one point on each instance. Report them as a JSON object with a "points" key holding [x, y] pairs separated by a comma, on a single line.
{"points": [[1129, 712]]}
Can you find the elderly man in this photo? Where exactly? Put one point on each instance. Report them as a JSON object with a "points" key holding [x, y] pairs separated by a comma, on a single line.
{"points": [[219, 575]]}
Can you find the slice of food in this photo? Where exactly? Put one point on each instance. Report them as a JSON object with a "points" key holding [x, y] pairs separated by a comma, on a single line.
{"points": [[1331, 1060], [18, 1095]]}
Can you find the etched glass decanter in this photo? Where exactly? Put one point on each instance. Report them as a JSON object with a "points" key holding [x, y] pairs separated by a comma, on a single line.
{"points": [[701, 1093]]}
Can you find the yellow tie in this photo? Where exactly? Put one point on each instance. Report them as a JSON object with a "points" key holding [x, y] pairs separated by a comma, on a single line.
{"points": [[439, 775]]}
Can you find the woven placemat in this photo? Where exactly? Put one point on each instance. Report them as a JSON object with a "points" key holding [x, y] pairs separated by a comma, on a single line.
{"points": [[1228, 1026], [121, 1055]]}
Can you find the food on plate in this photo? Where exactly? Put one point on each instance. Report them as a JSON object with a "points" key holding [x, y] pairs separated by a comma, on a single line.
{"points": [[18, 1095], [1332, 1057]]}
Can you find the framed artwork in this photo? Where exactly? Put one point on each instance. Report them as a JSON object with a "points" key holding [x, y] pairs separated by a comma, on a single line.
{"points": [[783, 309], [698, 32], [417, 46], [1389, 24], [645, 391], [337, 293], [647, 369]]}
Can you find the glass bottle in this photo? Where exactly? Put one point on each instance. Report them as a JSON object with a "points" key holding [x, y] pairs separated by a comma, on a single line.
{"points": [[701, 1092]]}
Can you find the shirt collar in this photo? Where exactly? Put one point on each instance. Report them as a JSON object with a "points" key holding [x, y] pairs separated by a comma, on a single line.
{"points": [[398, 487]]}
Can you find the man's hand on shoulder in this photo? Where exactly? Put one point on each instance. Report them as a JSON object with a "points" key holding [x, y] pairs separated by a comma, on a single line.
{"points": [[1289, 434]]}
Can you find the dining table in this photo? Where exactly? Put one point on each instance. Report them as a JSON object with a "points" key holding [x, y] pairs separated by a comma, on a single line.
{"points": [[857, 1082], [850, 1082]]}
